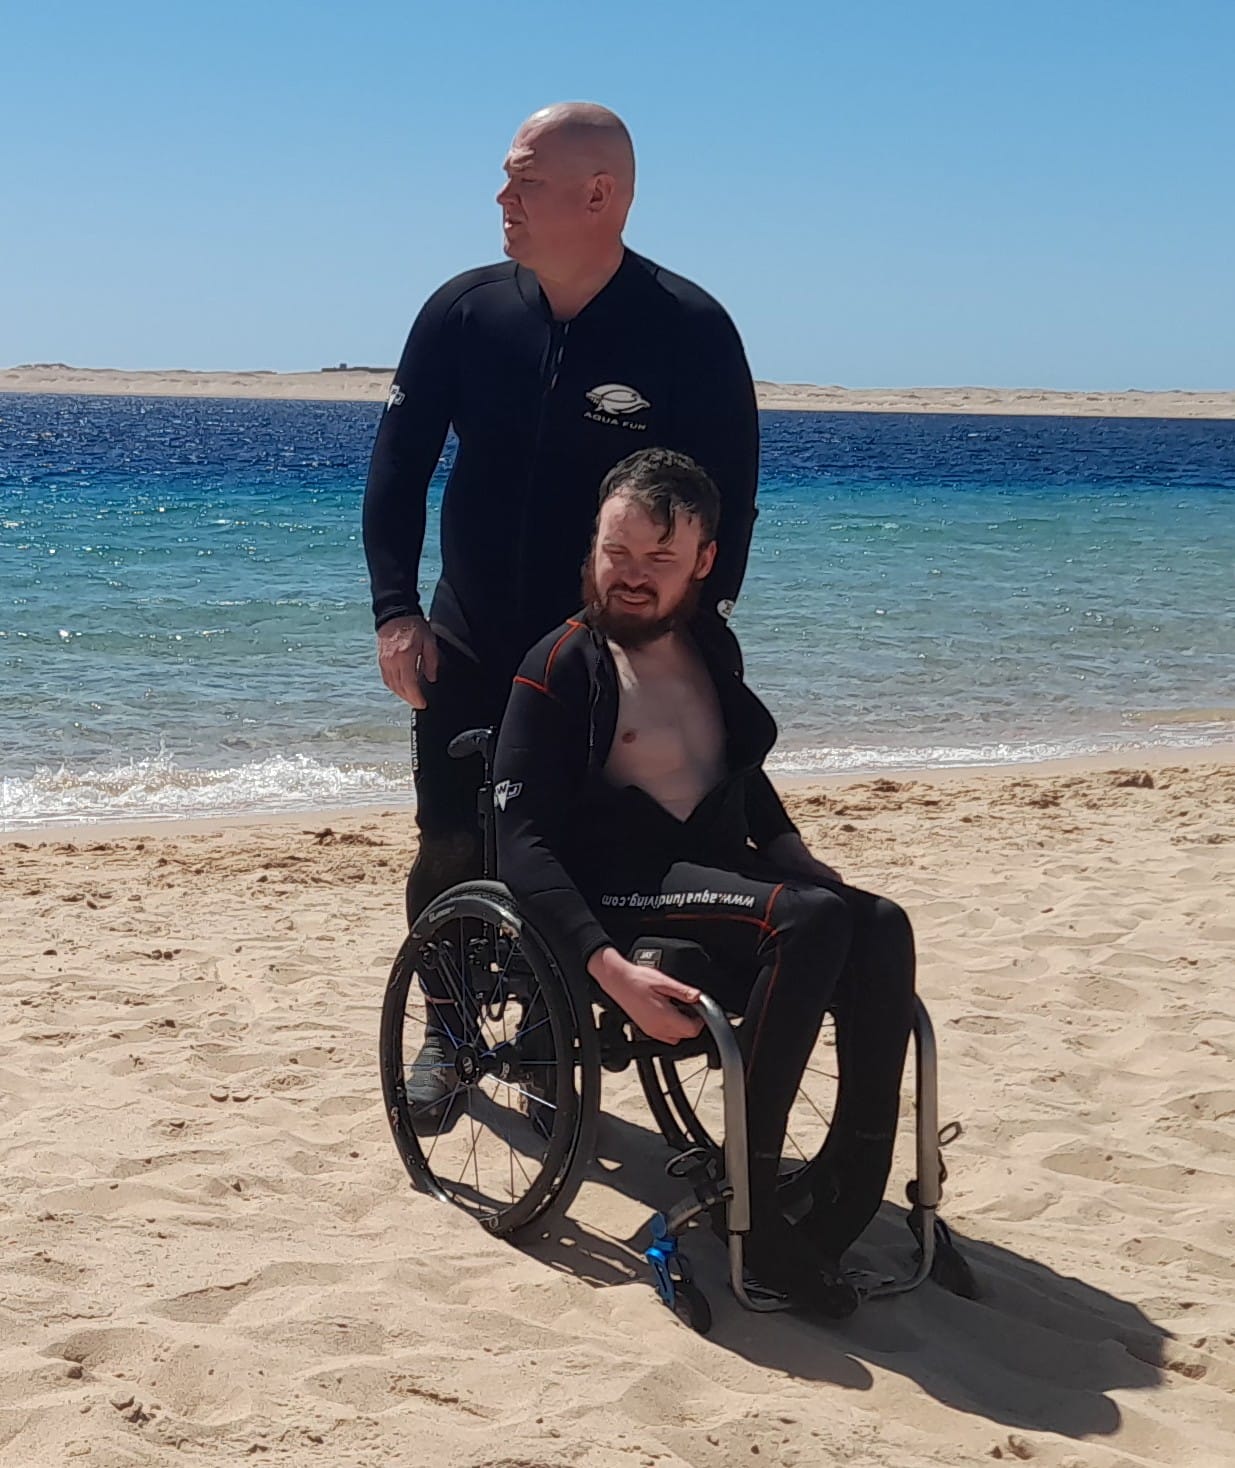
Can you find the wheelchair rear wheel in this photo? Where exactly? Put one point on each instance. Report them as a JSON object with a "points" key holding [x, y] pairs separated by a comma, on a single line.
{"points": [[686, 1099], [516, 1060]]}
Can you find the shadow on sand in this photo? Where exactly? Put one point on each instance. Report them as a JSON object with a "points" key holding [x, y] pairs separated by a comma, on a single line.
{"points": [[1039, 1351]]}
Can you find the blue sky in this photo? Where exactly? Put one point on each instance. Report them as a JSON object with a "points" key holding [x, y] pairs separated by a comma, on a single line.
{"points": [[882, 194]]}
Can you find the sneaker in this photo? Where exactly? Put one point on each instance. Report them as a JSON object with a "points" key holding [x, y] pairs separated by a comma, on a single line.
{"points": [[431, 1083], [783, 1261]]}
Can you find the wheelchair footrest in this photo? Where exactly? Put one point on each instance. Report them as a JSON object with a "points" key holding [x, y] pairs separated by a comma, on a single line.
{"points": [[764, 1296], [949, 1267]]}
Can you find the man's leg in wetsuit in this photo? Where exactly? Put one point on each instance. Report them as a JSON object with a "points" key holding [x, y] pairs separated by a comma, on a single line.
{"points": [[777, 952], [873, 1006], [451, 848]]}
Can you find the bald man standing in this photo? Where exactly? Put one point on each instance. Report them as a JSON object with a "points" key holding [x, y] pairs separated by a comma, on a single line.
{"points": [[550, 368]]}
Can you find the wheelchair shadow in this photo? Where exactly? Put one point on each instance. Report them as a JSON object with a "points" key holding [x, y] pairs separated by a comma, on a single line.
{"points": [[1039, 1351]]}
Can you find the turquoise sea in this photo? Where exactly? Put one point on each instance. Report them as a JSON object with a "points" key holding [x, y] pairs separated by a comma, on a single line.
{"points": [[184, 623]]}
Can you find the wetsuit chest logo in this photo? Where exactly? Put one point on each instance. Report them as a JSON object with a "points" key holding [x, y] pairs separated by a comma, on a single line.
{"points": [[507, 791], [613, 403]]}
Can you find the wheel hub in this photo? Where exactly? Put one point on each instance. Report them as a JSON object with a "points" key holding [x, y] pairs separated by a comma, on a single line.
{"points": [[468, 1065]]}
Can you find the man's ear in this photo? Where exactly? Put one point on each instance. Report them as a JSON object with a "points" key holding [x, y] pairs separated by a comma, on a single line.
{"points": [[601, 193], [707, 559]]}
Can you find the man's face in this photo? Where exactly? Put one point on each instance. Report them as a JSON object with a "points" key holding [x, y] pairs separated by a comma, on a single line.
{"points": [[638, 584], [546, 218]]}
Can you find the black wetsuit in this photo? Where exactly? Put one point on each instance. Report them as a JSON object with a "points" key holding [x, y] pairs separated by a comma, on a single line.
{"points": [[595, 864], [542, 410]]}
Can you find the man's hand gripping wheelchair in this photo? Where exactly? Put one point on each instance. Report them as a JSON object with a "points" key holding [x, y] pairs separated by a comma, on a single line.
{"points": [[523, 1042]]}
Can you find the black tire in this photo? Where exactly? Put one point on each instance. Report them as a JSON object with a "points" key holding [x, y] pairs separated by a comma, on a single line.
{"points": [[690, 1305], [527, 1032], [684, 1097], [679, 1123]]}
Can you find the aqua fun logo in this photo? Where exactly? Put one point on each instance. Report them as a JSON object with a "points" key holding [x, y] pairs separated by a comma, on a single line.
{"points": [[614, 402]]}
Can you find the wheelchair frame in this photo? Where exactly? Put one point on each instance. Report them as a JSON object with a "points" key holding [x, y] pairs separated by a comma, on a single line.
{"points": [[936, 1254], [734, 1189]]}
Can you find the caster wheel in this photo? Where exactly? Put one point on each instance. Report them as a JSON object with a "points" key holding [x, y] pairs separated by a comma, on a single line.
{"points": [[690, 1305]]}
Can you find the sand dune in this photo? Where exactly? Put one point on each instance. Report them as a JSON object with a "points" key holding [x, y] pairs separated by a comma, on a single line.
{"points": [[211, 1253], [371, 385]]}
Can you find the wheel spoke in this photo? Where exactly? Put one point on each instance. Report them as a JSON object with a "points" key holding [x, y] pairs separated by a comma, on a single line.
{"points": [[810, 1102], [530, 1095], [471, 1156], [499, 1002], [702, 1084], [451, 975], [822, 1074], [447, 1108], [519, 1163]]}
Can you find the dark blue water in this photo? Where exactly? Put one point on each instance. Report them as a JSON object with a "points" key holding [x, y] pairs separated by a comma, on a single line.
{"points": [[184, 620]]}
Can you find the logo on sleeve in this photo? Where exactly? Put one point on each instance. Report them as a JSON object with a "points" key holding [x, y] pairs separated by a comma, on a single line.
{"points": [[395, 396], [613, 403], [507, 790]]}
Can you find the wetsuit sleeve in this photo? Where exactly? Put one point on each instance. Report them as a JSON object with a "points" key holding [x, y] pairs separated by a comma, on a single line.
{"points": [[540, 762], [409, 443], [718, 426], [766, 816]]}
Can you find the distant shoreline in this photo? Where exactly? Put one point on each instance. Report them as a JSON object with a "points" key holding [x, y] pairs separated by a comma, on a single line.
{"points": [[370, 385]]}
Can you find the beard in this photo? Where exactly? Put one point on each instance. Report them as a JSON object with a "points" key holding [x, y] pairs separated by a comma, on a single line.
{"points": [[628, 629]]}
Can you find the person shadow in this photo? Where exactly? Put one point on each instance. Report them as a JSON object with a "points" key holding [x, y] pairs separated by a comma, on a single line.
{"points": [[1037, 1351]]}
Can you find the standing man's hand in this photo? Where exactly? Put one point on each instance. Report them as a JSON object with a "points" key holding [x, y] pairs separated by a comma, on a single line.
{"points": [[407, 656]]}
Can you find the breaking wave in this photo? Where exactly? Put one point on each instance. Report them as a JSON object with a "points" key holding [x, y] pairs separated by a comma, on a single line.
{"points": [[160, 788]]}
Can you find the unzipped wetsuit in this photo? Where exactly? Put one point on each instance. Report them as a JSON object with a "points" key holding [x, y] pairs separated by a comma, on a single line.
{"points": [[594, 864], [542, 410]]}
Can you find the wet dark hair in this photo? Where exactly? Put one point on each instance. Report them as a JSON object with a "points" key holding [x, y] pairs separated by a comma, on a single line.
{"points": [[664, 482]]}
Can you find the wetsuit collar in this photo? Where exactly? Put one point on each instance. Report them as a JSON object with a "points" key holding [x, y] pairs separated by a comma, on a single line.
{"points": [[533, 296]]}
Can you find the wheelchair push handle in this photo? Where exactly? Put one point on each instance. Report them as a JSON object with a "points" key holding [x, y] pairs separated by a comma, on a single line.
{"points": [[475, 741]]}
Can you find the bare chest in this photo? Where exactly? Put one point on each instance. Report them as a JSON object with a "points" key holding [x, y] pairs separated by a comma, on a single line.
{"points": [[670, 733]]}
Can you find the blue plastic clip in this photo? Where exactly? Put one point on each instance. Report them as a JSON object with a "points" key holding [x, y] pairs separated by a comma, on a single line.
{"points": [[662, 1255]]}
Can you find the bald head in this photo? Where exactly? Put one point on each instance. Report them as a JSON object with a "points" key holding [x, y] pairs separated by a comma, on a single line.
{"points": [[570, 184], [585, 134]]}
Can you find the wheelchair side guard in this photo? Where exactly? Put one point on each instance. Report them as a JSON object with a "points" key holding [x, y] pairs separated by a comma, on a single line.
{"points": [[937, 1255]]}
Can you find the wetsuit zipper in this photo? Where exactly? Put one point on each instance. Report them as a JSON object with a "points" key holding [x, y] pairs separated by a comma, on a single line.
{"points": [[550, 369]]}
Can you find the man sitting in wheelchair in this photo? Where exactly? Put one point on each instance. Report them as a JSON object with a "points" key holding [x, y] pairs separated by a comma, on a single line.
{"points": [[631, 800]]}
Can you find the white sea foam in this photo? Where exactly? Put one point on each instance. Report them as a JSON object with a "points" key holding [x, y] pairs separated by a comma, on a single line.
{"points": [[161, 788], [872, 759]]}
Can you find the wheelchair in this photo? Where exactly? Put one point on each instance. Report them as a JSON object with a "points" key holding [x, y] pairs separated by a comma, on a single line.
{"points": [[531, 1038]]}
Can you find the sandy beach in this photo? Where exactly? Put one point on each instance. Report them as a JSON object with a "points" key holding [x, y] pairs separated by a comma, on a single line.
{"points": [[211, 1253], [371, 386]]}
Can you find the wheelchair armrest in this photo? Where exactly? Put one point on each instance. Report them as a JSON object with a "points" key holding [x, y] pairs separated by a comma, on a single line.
{"points": [[473, 741], [689, 963]]}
